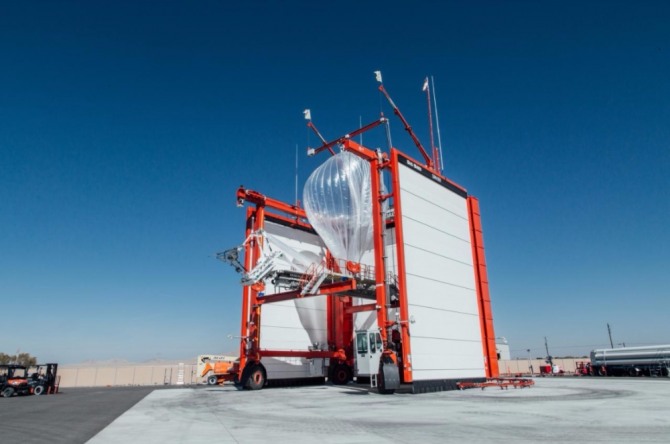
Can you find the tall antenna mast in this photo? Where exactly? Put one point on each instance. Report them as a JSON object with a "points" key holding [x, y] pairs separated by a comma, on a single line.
{"points": [[396, 111], [297, 203], [437, 123], [426, 89]]}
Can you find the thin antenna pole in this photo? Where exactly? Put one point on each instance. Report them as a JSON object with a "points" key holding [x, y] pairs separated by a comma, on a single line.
{"points": [[360, 125], [388, 134], [436, 160], [296, 175], [437, 123], [609, 332]]}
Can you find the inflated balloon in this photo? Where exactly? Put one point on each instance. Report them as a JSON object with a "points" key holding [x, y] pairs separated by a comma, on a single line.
{"points": [[312, 311], [338, 203]]}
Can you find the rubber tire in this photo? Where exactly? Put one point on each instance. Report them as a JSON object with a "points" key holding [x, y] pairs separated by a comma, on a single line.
{"points": [[212, 380], [256, 378], [381, 389], [8, 392], [340, 374], [38, 390], [380, 385], [665, 372]]}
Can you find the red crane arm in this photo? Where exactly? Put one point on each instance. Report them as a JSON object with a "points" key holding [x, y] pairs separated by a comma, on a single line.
{"points": [[396, 111]]}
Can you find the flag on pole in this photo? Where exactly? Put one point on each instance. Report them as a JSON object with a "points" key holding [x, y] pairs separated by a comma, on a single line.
{"points": [[308, 114], [425, 84], [378, 76]]}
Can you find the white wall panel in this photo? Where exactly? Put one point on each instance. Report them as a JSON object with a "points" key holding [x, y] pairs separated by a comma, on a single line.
{"points": [[431, 265], [288, 368], [456, 326], [425, 189], [425, 238], [431, 214], [446, 334], [460, 300], [460, 359], [281, 328]]}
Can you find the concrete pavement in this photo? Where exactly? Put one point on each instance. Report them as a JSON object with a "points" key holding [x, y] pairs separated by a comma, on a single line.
{"points": [[564, 409]]}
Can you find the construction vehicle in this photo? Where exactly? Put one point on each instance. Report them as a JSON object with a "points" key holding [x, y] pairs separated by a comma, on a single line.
{"points": [[382, 279], [34, 380], [653, 360], [14, 381], [214, 368]]}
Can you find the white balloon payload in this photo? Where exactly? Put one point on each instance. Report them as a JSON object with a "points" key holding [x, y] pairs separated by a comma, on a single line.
{"points": [[338, 203]]}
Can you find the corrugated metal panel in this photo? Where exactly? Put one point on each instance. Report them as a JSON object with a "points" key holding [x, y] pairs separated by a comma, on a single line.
{"points": [[446, 335]]}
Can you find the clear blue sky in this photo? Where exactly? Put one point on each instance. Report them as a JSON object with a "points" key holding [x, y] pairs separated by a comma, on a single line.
{"points": [[126, 127]]}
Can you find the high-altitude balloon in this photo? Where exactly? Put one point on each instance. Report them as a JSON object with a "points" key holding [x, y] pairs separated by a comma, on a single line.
{"points": [[338, 203]]}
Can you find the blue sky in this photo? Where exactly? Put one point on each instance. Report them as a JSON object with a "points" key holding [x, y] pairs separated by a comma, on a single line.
{"points": [[126, 127]]}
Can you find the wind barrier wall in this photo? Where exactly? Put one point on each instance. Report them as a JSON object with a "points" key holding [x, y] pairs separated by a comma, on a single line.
{"points": [[144, 375]]}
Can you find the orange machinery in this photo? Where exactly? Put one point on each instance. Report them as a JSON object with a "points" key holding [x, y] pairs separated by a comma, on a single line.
{"points": [[389, 294]]}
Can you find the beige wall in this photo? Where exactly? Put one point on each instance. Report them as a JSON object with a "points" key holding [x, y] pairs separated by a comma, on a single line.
{"points": [[169, 374], [521, 366], [126, 375]]}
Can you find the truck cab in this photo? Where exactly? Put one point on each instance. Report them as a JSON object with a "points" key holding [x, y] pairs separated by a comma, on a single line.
{"points": [[369, 349]]}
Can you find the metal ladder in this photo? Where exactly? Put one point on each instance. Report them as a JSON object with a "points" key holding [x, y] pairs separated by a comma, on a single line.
{"points": [[315, 281]]}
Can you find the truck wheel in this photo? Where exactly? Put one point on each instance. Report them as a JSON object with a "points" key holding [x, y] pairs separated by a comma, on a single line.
{"points": [[256, 379], [340, 374], [212, 380], [381, 385], [7, 392], [38, 390], [388, 379]]}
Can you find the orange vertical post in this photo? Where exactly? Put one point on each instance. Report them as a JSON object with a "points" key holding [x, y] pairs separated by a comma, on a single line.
{"points": [[482, 283], [406, 371], [246, 293]]}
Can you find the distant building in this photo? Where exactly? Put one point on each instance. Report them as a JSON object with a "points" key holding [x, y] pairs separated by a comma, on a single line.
{"points": [[502, 348]]}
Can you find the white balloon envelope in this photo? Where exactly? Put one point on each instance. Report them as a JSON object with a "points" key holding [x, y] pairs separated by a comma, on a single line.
{"points": [[338, 203]]}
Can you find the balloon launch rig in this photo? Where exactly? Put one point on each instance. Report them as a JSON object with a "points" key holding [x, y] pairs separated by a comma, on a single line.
{"points": [[381, 277]]}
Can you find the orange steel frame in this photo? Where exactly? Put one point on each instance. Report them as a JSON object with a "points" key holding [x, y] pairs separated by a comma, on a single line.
{"points": [[482, 283], [250, 331], [340, 310]]}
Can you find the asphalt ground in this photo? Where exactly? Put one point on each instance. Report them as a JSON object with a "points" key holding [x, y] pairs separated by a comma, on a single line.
{"points": [[69, 417]]}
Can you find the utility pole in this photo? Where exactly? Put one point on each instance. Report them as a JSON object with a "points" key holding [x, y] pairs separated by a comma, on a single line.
{"points": [[530, 364], [609, 332]]}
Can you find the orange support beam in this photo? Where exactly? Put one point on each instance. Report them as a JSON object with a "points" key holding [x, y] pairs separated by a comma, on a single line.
{"points": [[482, 282], [361, 308], [338, 354], [325, 289]]}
